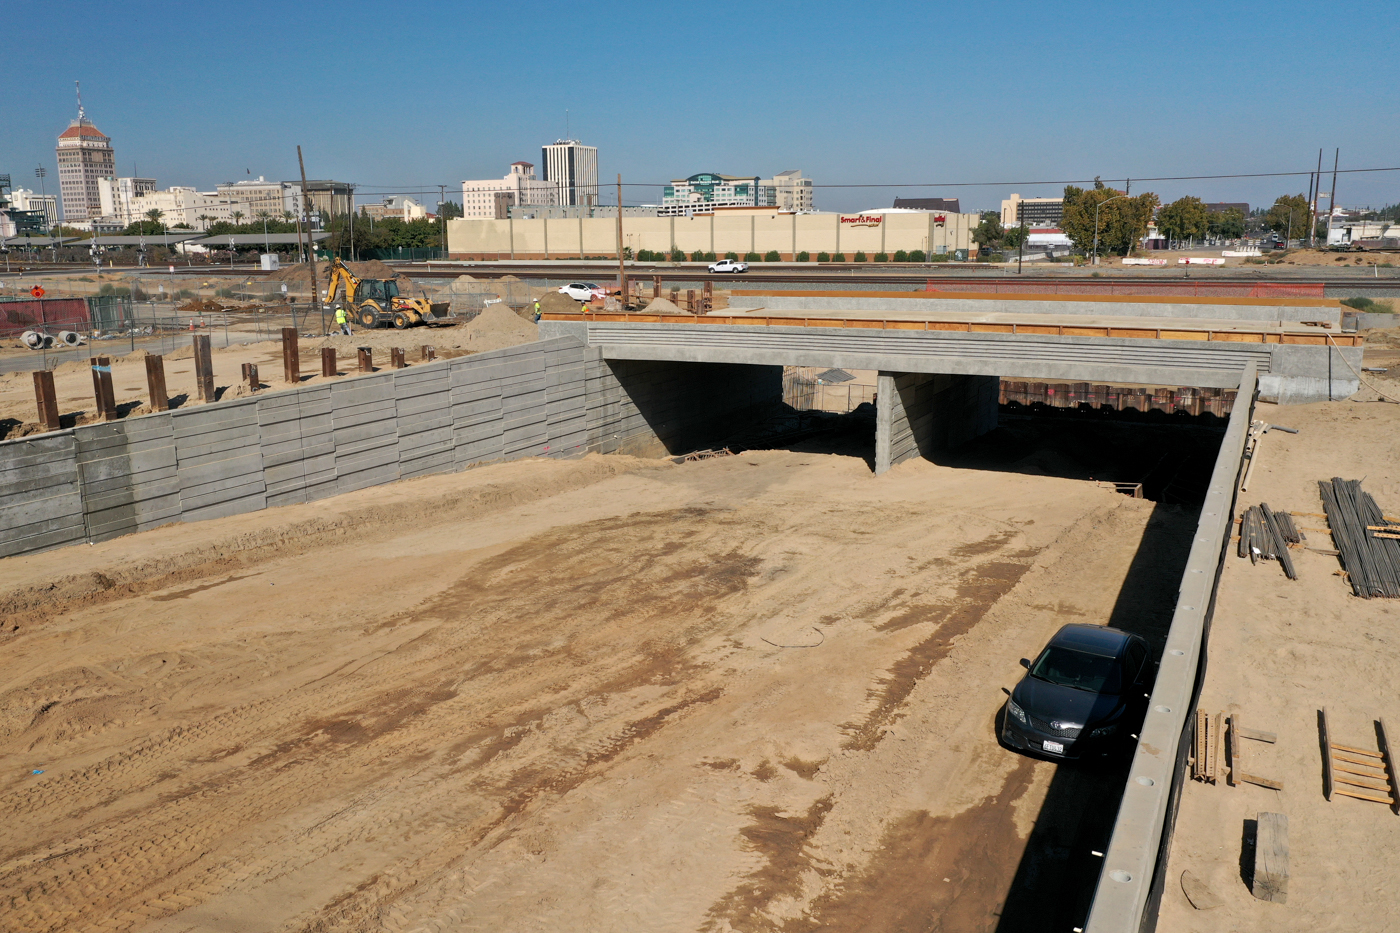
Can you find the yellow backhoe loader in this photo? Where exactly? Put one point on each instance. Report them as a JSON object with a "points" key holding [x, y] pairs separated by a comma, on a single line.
{"points": [[376, 302]]}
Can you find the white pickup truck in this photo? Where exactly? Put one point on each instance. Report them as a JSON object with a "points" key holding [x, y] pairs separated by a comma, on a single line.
{"points": [[729, 265]]}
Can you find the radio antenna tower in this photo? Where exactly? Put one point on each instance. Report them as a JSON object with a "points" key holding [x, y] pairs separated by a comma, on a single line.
{"points": [[79, 86]]}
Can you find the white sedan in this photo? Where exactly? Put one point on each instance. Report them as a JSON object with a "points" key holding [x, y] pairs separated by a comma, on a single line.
{"points": [[583, 291], [729, 265]]}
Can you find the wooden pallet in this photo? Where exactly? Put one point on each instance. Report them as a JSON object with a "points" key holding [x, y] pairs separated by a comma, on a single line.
{"points": [[1358, 772], [1205, 761]]}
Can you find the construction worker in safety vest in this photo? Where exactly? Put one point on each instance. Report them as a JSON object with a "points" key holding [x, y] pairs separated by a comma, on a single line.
{"points": [[537, 311], [341, 320]]}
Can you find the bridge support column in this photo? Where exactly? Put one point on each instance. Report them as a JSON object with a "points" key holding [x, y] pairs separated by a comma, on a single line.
{"points": [[918, 414]]}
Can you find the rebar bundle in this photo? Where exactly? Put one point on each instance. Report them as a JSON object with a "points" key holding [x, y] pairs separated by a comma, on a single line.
{"points": [[1266, 534], [1372, 562]]}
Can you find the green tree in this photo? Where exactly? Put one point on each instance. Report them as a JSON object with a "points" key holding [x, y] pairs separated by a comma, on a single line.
{"points": [[988, 233], [154, 215], [1227, 224], [1122, 220], [1289, 216], [449, 210], [1184, 217], [772, 256]]}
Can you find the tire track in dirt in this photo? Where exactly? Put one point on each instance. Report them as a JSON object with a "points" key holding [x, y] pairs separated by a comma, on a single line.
{"points": [[174, 832]]}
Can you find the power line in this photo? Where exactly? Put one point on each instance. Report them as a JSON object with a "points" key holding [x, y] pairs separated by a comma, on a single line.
{"points": [[410, 189]]}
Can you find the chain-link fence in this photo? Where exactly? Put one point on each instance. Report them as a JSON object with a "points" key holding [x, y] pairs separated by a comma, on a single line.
{"points": [[808, 388]]}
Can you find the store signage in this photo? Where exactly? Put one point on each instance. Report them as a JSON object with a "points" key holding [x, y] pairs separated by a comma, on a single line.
{"points": [[940, 219], [863, 220]]}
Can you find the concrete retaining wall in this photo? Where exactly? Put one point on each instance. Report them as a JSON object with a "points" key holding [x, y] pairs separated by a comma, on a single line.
{"points": [[1131, 883], [99, 481], [1223, 309], [554, 398], [920, 413]]}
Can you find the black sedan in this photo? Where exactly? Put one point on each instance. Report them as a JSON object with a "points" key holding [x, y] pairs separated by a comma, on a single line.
{"points": [[1083, 695]]}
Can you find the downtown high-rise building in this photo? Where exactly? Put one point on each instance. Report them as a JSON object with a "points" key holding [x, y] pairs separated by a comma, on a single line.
{"points": [[572, 169], [84, 155]]}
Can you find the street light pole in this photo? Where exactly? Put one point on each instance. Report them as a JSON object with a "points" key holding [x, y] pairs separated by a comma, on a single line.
{"points": [[1096, 223]]}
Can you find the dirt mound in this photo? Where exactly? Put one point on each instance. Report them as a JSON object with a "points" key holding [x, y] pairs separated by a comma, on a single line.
{"points": [[508, 278], [555, 303], [205, 306], [664, 306], [498, 320], [136, 356]]}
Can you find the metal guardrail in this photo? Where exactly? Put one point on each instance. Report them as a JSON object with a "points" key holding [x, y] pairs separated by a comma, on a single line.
{"points": [[1131, 883]]}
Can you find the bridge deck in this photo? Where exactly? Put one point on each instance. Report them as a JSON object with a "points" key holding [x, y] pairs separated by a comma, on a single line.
{"points": [[996, 323]]}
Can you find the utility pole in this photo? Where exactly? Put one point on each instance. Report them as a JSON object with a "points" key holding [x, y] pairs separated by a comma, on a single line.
{"points": [[311, 247], [1332, 195], [1312, 209], [352, 223], [442, 216], [621, 265]]}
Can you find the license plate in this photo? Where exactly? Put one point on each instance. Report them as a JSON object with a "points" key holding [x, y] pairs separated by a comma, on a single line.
{"points": [[1057, 747]]}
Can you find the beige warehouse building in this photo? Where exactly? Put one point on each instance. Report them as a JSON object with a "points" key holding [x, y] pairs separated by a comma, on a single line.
{"points": [[736, 230]]}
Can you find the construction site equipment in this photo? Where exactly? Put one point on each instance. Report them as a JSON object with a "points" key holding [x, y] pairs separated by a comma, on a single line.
{"points": [[1266, 534], [1370, 555], [1358, 772], [1205, 758], [377, 302], [1258, 429]]}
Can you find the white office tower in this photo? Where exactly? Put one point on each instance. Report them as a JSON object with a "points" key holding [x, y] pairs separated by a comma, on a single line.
{"points": [[572, 168]]}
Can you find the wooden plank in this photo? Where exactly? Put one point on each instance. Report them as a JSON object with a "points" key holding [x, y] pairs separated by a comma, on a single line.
{"points": [[1343, 792], [1270, 880], [1355, 761], [1327, 758], [1261, 781], [1384, 742], [1256, 735], [1373, 775], [1371, 786]]}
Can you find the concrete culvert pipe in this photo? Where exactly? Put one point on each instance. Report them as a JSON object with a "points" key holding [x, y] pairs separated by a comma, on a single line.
{"points": [[33, 339], [69, 339]]}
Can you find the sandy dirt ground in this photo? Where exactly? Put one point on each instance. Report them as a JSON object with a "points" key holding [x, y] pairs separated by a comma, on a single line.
{"points": [[1279, 652], [752, 693]]}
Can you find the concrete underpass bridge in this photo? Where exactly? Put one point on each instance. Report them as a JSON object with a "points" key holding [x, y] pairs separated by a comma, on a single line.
{"points": [[940, 360]]}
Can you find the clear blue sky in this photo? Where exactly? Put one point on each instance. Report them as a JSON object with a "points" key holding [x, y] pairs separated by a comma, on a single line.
{"points": [[412, 95]]}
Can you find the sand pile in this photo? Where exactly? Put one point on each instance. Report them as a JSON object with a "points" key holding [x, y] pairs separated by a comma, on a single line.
{"points": [[508, 278], [553, 302], [664, 306], [498, 327], [197, 306]]}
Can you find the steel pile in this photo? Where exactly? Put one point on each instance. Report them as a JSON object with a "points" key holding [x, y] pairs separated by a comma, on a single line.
{"points": [[1266, 534], [1370, 558]]}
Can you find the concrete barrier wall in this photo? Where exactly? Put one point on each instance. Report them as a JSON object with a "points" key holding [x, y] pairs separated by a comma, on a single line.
{"points": [[917, 414], [553, 398], [1131, 883], [99, 481], [761, 232], [1236, 309]]}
